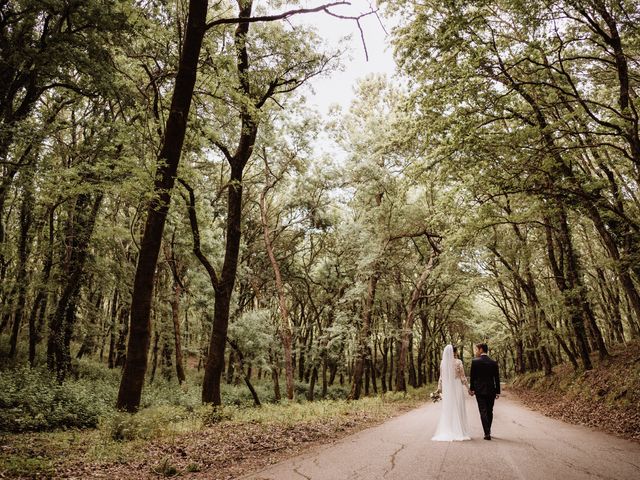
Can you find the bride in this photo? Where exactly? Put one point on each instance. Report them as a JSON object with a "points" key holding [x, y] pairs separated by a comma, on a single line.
{"points": [[453, 423]]}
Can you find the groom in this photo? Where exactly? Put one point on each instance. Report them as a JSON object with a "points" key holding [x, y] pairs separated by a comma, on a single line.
{"points": [[485, 385]]}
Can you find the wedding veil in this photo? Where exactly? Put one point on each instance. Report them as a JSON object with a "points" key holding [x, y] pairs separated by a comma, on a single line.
{"points": [[447, 372], [452, 424]]}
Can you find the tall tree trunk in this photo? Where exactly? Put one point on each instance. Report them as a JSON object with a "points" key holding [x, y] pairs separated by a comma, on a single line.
{"points": [[215, 359], [407, 328], [285, 324], [167, 166], [24, 248], [63, 319], [111, 357], [566, 286], [364, 336], [175, 315]]}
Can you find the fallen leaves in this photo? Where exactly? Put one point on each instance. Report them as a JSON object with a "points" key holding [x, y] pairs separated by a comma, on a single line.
{"points": [[606, 398]]}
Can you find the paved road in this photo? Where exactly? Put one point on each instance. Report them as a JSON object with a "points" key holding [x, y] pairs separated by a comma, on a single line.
{"points": [[526, 445]]}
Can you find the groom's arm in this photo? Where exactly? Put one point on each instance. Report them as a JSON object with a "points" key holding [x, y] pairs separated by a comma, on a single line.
{"points": [[496, 379], [472, 375]]}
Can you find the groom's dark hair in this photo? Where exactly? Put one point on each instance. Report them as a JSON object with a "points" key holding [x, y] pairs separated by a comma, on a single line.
{"points": [[483, 347]]}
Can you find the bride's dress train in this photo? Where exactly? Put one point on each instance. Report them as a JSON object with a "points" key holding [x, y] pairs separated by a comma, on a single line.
{"points": [[453, 424]]}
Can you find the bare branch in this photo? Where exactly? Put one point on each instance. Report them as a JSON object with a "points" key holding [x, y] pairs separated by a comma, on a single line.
{"points": [[271, 18]]}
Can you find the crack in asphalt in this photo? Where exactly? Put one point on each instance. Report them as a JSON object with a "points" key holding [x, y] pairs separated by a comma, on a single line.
{"points": [[444, 457], [295, 469], [392, 458], [529, 447]]}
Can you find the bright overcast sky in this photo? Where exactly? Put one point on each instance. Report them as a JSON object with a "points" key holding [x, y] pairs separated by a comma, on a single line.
{"points": [[338, 88]]}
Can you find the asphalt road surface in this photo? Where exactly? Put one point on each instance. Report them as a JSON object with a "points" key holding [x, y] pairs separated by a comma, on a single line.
{"points": [[525, 445]]}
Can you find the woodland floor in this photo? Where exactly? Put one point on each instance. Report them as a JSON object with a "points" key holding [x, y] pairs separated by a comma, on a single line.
{"points": [[224, 450], [606, 398]]}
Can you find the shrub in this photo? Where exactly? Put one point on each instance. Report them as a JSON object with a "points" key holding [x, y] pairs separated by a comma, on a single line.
{"points": [[31, 400], [338, 392], [165, 469]]}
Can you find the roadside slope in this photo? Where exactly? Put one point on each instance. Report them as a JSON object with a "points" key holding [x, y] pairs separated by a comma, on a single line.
{"points": [[606, 398]]}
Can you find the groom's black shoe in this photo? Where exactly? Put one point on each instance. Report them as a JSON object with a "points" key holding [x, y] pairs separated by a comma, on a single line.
{"points": [[487, 437]]}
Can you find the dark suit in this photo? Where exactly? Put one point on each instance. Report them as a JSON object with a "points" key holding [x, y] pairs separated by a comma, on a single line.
{"points": [[485, 382]]}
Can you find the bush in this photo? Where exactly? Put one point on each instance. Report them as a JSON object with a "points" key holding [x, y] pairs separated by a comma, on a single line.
{"points": [[31, 400], [338, 392], [240, 396]]}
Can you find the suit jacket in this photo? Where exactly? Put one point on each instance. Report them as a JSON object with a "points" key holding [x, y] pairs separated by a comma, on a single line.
{"points": [[485, 376]]}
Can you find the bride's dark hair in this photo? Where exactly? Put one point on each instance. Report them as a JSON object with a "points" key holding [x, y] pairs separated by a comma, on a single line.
{"points": [[455, 349]]}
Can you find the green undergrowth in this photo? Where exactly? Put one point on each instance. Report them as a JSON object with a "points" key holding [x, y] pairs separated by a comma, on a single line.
{"points": [[32, 400], [45, 424], [121, 437]]}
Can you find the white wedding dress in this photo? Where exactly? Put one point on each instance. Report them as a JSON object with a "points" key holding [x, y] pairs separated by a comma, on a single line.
{"points": [[453, 424]]}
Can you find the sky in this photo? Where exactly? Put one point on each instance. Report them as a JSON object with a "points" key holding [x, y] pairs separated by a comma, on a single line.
{"points": [[338, 87]]}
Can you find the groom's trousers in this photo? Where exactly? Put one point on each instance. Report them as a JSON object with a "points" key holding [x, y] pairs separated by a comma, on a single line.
{"points": [[485, 405]]}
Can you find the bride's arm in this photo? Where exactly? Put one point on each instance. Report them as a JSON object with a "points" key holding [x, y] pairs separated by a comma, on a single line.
{"points": [[460, 373]]}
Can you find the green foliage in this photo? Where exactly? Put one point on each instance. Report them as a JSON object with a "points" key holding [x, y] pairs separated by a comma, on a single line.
{"points": [[31, 400]]}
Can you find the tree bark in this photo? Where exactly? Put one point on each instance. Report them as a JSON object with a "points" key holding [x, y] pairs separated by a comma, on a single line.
{"points": [[175, 315], [566, 286], [62, 321], [285, 324], [24, 248], [407, 328], [167, 166], [363, 337]]}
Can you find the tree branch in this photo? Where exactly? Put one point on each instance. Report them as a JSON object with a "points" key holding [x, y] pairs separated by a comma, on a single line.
{"points": [[193, 219], [272, 18]]}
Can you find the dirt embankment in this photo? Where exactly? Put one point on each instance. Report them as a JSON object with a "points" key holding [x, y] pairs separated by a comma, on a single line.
{"points": [[606, 398]]}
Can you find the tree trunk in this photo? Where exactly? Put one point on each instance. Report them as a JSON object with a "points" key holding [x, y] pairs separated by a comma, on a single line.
{"points": [[123, 333], [167, 166], [407, 328], [111, 356], [24, 248], [363, 337], [237, 161], [566, 286], [285, 324], [383, 372], [312, 384], [154, 357], [245, 375], [175, 314], [63, 319]]}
